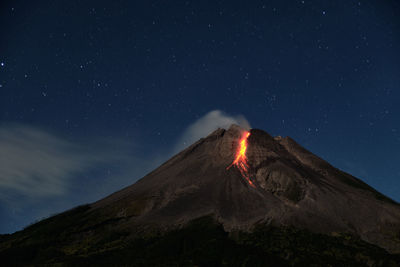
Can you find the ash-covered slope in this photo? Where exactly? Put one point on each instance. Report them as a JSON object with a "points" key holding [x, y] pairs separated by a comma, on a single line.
{"points": [[292, 187], [283, 205]]}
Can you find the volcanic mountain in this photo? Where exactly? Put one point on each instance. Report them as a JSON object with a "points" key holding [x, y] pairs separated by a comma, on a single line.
{"points": [[244, 182]]}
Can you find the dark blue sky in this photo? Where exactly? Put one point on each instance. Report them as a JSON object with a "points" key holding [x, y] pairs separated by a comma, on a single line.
{"points": [[93, 94]]}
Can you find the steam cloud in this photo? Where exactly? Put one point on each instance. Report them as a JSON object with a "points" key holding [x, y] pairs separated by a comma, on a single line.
{"points": [[208, 123]]}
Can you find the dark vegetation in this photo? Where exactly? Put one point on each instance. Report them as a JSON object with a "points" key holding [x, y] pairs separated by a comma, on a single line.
{"points": [[58, 241]]}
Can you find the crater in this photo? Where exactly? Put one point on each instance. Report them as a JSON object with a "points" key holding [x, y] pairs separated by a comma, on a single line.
{"points": [[282, 181]]}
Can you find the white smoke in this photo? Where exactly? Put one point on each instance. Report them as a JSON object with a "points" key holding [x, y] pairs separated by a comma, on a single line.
{"points": [[205, 125]]}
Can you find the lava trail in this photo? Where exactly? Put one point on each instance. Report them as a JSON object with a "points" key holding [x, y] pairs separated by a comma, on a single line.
{"points": [[241, 160]]}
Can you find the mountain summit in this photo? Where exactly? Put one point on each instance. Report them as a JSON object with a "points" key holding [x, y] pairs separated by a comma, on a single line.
{"points": [[292, 187], [242, 180]]}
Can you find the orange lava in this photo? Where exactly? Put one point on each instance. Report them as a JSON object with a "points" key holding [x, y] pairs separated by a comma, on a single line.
{"points": [[241, 160]]}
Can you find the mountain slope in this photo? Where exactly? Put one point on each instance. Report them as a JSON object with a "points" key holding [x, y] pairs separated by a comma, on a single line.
{"points": [[284, 188], [292, 188]]}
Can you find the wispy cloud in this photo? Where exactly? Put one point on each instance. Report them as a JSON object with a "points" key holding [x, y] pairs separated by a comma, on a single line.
{"points": [[206, 124], [36, 163]]}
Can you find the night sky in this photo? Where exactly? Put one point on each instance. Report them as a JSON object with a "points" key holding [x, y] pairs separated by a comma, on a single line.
{"points": [[95, 94]]}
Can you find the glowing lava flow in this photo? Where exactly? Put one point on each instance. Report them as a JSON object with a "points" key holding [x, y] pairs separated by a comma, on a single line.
{"points": [[241, 160]]}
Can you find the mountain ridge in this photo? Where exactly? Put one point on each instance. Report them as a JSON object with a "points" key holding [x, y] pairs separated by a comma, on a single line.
{"points": [[289, 188], [290, 180]]}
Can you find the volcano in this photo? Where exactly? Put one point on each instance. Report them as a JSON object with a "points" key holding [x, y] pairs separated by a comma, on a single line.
{"points": [[234, 197]]}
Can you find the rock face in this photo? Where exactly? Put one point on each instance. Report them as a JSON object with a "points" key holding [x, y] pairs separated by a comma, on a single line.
{"points": [[292, 187]]}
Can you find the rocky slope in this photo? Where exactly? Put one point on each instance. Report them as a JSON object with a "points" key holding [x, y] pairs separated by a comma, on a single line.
{"points": [[293, 187], [295, 193]]}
